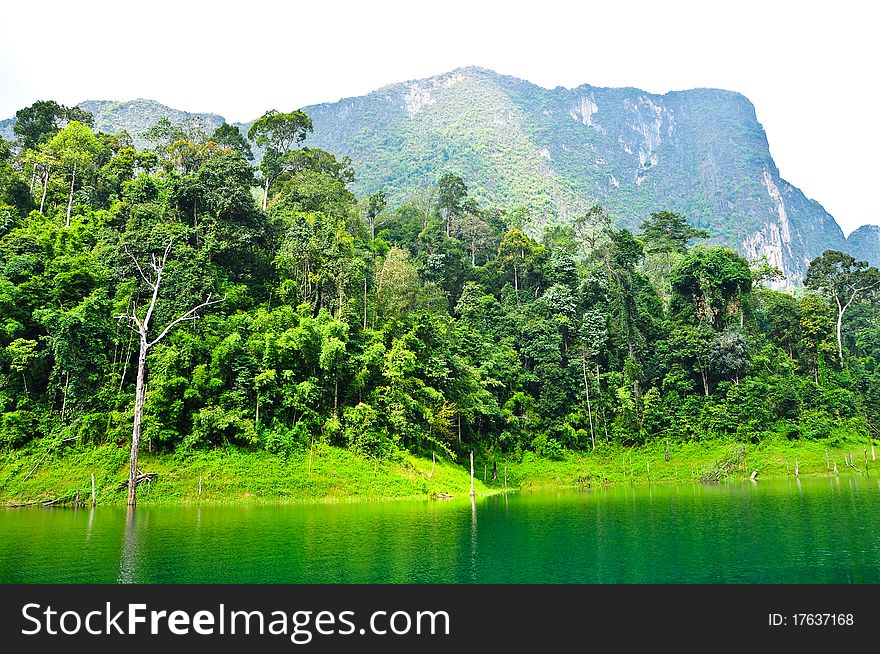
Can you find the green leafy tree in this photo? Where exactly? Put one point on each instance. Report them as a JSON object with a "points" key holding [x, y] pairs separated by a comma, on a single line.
{"points": [[75, 148], [451, 196], [36, 124], [277, 133], [229, 136], [843, 280]]}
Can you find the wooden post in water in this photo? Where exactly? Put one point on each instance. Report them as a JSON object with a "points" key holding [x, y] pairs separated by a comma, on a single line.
{"points": [[472, 474], [93, 489]]}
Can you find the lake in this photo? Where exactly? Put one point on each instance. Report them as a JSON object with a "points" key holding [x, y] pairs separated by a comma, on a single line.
{"points": [[820, 530]]}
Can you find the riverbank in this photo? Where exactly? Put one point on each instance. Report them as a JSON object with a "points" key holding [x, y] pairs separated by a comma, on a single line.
{"points": [[38, 474]]}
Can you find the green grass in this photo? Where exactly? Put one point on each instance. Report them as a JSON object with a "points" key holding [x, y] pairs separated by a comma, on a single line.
{"points": [[713, 460], [231, 476], [335, 474]]}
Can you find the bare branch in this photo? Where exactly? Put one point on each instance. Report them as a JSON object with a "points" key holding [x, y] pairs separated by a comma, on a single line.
{"points": [[167, 251], [189, 315], [158, 268], [143, 276]]}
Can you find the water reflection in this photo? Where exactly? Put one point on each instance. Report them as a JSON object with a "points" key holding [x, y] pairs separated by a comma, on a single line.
{"points": [[790, 530], [473, 567], [129, 560]]}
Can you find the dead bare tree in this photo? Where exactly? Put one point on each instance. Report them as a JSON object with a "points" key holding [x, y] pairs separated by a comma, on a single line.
{"points": [[141, 327]]}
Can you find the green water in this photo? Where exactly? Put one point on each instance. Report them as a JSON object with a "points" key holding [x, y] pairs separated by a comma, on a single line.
{"points": [[807, 531]]}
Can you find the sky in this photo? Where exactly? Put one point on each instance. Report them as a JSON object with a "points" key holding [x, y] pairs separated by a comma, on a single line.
{"points": [[808, 67]]}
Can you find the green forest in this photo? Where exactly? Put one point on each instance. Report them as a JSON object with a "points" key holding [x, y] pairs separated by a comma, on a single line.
{"points": [[274, 311]]}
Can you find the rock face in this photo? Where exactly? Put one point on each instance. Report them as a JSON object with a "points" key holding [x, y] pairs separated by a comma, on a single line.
{"points": [[864, 244], [699, 152], [558, 151]]}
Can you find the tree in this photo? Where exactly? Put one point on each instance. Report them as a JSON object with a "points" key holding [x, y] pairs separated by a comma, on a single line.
{"points": [[839, 277], [75, 148], [451, 196], [38, 123], [593, 334], [229, 136], [711, 284], [665, 236], [374, 205], [515, 253], [141, 326], [667, 233], [277, 133], [730, 355], [21, 353], [476, 231]]}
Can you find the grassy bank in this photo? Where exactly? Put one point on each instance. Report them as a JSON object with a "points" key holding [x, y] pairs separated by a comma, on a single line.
{"points": [[327, 473], [39, 473], [707, 461]]}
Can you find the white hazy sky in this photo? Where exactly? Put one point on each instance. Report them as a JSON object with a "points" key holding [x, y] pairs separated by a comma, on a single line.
{"points": [[810, 68]]}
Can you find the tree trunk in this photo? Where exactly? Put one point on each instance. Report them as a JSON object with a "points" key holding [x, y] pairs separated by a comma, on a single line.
{"points": [[705, 382], [266, 194], [64, 401], [70, 197], [139, 396], [45, 187], [589, 406], [840, 333], [365, 301]]}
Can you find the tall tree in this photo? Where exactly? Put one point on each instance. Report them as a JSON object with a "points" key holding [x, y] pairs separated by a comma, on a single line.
{"points": [[373, 206], [841, 279], [277, 133], [140, 325], [451, 196], [75, 147], [229, 136], [665, 236], [38, 123], [667, 233]]}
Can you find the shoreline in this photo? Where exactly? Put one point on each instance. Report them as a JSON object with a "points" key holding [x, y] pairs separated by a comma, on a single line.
{"points": [[331, 475]]}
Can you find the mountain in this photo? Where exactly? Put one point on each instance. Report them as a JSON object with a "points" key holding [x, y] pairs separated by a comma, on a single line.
{"points": [[864, 244], [132, 116], [700, 152], [557, 151], [136, 116], [6, 126]]}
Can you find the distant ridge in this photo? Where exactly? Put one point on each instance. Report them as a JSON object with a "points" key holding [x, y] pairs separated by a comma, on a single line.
{"points": [[557, 151]]}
